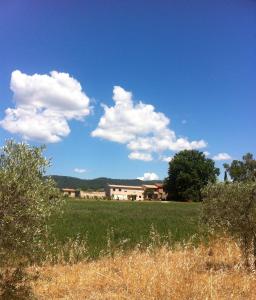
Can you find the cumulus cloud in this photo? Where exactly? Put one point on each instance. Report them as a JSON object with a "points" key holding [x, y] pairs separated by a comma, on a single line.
{"points": [[124, 121], [43, 106], [140, 127], [206, 153], [78, 170], [149, 176], [222, 156]]}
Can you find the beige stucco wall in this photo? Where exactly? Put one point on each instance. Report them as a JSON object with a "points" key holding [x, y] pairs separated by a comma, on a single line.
{"points": [[123, 193], [69, 194], [85, 194]]}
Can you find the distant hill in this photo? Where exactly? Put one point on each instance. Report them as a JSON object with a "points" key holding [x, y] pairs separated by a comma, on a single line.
{"points": [[95, 184]]}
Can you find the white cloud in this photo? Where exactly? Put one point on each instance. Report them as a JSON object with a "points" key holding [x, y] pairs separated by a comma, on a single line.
{"points": [[44, 105], [149, 176], [125, 121], [222, 156], [78, 170], [166, 158], [206, 153], [140, 127], [140, 156]]}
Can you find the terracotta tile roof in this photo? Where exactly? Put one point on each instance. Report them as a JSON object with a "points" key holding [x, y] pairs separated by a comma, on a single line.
{"points": [[150, 186], [137, 187], [68, 190]]}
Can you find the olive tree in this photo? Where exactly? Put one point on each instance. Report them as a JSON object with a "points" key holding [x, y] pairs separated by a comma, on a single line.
{"points": [[231, 208], [27, 200]]}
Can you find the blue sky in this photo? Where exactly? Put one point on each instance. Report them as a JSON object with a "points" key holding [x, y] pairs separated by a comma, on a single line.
{"points": [[190, 64]]}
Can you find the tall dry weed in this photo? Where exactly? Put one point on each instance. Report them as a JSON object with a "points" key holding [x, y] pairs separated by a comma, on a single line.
{"points": [[71, 252], [214, 271]]}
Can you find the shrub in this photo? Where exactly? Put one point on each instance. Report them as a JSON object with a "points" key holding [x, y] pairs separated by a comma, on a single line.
{"points": [[231, 208], [27, 200]]}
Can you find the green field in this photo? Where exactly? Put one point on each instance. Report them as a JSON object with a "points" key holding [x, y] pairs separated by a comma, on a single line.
{"points": [[126, 223]]}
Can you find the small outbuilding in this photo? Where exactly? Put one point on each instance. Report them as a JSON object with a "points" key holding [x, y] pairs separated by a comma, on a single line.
{"points": [[70, 192]]}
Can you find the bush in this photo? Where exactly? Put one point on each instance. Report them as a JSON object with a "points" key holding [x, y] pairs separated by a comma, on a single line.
{"points": [[231, 208], [27, 200]]}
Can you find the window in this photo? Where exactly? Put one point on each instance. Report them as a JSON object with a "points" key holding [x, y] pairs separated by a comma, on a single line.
{"points": [[120, 190], [139, 196], [114, 190]]}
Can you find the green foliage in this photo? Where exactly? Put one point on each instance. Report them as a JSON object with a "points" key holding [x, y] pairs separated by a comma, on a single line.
{"points": [[149, 194], [95, 184], [27, 200], [231, 208], [189, 171], [244, 170]]}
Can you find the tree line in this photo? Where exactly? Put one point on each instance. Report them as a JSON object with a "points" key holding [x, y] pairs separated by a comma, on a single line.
{"points": [[190, 171]]}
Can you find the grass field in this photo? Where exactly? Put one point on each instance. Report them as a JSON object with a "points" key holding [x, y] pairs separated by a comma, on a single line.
{"points": [[125, 224]]}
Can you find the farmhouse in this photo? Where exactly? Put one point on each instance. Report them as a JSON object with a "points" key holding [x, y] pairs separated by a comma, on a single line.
{"points": [[121, 192], [144, 192], [124, 192]]}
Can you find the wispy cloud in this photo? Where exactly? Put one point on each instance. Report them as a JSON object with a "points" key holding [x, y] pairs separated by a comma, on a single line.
{"points": [[222, 156], [140, 156], [78, 170], [149, 176], [206, 153], [166, 158]]}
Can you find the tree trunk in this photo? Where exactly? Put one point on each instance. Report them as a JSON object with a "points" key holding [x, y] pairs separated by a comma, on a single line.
{"points": [[254, 252], [246, 251]]}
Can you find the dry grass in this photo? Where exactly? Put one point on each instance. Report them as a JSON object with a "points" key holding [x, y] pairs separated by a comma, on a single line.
{"points": [[212, 272]]}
